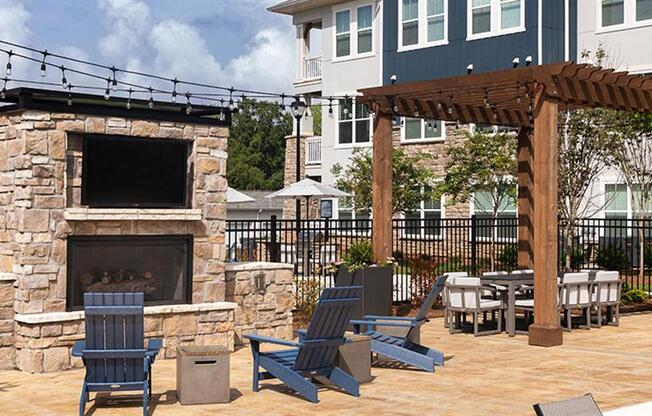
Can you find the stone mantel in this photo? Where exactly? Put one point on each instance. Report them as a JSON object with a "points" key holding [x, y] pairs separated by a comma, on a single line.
{"points": [[53, 317], [131, 214]]}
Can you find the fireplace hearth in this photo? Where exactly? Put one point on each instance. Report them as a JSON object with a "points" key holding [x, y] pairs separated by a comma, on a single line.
{"points": [[160, 266]]}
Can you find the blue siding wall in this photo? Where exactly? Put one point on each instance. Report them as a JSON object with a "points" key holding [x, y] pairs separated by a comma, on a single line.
{"points": [[554, 22], [488, 54]]}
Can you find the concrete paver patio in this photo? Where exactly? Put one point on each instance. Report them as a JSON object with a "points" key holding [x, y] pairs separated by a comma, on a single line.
{"points": [[494, 375]]}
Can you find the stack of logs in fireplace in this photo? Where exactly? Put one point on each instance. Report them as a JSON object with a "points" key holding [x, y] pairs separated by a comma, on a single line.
{"points": [[119, 280]]}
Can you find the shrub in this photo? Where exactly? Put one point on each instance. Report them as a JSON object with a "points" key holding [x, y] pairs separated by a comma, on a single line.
{"points": [[359, 255], [633, 296], [424, 273], [611, 258], [305, 298], [509, 257]]}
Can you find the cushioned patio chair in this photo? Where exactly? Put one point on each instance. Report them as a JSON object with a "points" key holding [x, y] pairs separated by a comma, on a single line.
{"points": [[464, 297], [314, 355], [113, 352], [579, 406], [451, 279], [576, 292], [403, 349], [606, 294]]}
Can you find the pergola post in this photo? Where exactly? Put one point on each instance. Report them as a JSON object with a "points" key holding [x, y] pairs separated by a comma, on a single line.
{"points": [[525, 207], [381, 192], [546, 330]]}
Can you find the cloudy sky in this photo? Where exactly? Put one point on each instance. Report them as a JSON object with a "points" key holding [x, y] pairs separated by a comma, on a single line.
{"points": [[226, 42]]}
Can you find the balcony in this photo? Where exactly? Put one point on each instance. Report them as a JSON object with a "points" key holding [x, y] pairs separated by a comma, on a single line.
{"points": [[313, 151], [311, 68], [309, 79]]}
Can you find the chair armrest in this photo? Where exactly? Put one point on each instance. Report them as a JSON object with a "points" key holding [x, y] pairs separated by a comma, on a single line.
{"points": [[489, 288], [392, 324], [260, 338], [387, 318], [300, 333], [78, 349], [154, 347]]}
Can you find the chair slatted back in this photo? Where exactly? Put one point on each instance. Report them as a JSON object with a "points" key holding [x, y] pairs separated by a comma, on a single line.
{"points": [[576, 289], [327, 326], [607, 286], [579, 406], [451, 279], [114, 337], [464, 293], [432, 296]]}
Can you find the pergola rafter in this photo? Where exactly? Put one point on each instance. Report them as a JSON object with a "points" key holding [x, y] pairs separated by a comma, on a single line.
{"points": [[529, 98]]}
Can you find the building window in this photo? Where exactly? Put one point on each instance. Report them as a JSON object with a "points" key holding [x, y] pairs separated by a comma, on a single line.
{"points": [[416, 129], [354, 123], [503, 228], [365, 30], [643, 10], [613, 12], [425, 220], [616, 206], [410, 22], [423, 23], [352, 221], [343, 33], [495, 17], [436, 20], [481, 16]]}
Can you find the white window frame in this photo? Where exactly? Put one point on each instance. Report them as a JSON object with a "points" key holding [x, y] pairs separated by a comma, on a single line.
{"points": [[353, 31], [422, 27], [495, 22], [422, 214], [423, 139], [629, 18], [353, 143], [352, 231], [473, 211]]}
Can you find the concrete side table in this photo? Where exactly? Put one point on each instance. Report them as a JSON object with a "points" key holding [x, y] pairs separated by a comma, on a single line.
{"points": [[354, 357], [203, 375]]}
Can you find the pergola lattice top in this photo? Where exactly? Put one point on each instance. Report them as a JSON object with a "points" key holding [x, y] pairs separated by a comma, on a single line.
{"points": [[507, 97]]}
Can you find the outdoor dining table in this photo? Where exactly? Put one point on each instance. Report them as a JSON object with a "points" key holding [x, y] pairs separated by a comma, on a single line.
{"points": [[512, 283]]}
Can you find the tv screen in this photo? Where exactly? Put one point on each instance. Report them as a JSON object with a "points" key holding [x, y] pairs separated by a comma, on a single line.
{"points": [[134, 172]]}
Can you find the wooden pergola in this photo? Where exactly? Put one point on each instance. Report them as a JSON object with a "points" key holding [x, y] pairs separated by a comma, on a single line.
{"points": [[530, 99]]}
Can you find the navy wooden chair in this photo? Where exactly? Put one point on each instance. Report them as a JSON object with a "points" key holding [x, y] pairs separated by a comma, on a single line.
{"points": [[403, 349], [114, 352], [314, 355]]}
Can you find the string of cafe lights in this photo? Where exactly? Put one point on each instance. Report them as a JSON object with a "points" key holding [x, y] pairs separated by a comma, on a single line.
{"points": [[231, 98]]}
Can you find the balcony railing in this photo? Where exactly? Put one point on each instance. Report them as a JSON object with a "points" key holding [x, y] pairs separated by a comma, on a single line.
{"points": [[313, 150], [312, 67]]}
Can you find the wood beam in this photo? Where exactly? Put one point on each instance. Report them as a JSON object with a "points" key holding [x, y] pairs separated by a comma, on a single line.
{"points": [[381, 192], [546, 330], [525, 207]]}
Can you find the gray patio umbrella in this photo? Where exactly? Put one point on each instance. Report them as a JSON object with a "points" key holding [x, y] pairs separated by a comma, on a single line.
{"points": [[235, 197], [308, 188]]}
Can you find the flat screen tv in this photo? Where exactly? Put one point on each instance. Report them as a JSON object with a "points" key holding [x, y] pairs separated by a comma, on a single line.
{"points": [[129, 172]]}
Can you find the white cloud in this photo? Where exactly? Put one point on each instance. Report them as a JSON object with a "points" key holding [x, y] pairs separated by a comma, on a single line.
{"points": [[127, 22], [13, 28]]}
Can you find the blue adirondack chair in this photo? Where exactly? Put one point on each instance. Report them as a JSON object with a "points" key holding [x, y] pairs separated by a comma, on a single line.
{"points": [[315, 354], [114, 352], [402, 348]]}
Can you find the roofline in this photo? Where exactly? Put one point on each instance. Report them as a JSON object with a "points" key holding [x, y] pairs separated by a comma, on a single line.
{"points": [[24, 98], [292, 7]]}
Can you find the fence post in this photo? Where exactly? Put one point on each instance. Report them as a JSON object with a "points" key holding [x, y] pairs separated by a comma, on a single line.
{"points": [[474, 245], [274, 245], [326, 228]]}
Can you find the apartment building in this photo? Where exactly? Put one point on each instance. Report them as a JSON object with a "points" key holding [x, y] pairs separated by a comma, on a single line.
{"points": [[380, 42]]}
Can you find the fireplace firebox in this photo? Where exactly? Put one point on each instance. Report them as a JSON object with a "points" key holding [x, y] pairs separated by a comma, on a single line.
{"points": [[159, 266]]}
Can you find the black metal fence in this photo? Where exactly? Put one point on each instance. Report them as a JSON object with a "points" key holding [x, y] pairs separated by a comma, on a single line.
{"points": [[427, 246]]}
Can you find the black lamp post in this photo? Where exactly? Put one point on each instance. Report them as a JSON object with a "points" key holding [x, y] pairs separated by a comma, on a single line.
{"points": [[298, 109]]}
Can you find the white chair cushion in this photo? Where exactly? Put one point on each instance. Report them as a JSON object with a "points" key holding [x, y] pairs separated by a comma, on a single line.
{"points": [[500, 273], [575, 277], [524, 303], [524, 271], [490, 304], [498, 287], [605, 276]]}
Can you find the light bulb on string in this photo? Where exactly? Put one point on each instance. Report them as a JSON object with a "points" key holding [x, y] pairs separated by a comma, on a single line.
{"points": [[429, 125], [107, 91], [114, 81], [64, 81], [150, 104], [174, 90], [330, 107], [3, 93], [345, 110], [231, 103], [282, 106], [129, 99], [188, 105], [43, 66], [69, 101], [9, 62]]}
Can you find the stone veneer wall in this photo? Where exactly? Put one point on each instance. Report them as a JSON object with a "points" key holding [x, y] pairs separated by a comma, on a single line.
{"points": [[265, 309], [7, 338], [43, 341], [35, 149]]}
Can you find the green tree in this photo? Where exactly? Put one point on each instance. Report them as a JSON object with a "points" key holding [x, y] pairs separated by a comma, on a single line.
{"points": [[411, 180], [316, 119], [257, 147], [482, 163]]}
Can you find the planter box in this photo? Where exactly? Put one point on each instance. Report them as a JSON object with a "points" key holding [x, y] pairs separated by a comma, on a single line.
{"points": [[377, 289]]}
